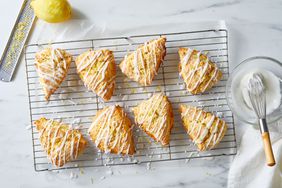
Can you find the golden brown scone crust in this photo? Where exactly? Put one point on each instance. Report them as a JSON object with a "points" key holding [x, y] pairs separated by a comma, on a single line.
{"points": [[111, 131], [97, 70], [61, 143], [143, 64], [52, 66], [198, 72], [205, 129], [155, 117]]}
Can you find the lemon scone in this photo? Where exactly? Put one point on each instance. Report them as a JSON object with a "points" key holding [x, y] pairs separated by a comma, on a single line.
{"points": [[52, 66], [197, 70], [111, 131], [97, 70], [143, 64], [205, 129], [61, 143], [155, 117]]}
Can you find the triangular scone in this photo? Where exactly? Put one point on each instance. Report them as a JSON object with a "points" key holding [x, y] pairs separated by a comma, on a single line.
{"points": [[52, 66], [61, 143], [143, 64], [197, 70], [111, 131], [97, 70], [155, 117], [205, 129]]}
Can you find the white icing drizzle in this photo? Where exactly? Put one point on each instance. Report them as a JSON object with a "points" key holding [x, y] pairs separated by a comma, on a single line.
{"points": [[155, 58], [63, 151], [191, 74], [124, 64], [104, 123], [53, 70], [160, 127], [96, 82], [139, 62], [56, 51], [212, 78], [90, 62], [220, 133], [196, 120], [202, 74], [202, 130], [202, 69], [207, 144], [209, 124], [185, 60], [135, 63], [200, 138]]}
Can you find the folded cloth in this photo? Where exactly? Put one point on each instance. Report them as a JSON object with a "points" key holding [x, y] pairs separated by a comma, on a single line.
{"points": [[249, 167]]}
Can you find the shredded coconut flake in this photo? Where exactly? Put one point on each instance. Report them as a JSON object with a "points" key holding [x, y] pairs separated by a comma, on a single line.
{"points": [[61, 96], [125, 97], [28, 127], [73, 175], [110, 172], [76, 121], [73, 102], [102, 178], [148, 165], [81, 170], [219, 114]]}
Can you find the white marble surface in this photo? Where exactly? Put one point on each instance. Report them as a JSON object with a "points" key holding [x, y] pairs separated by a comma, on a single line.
{"points": [[255, 28]]}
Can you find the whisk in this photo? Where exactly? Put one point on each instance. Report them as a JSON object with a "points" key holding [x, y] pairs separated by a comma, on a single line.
{"points": [[257, 97]]}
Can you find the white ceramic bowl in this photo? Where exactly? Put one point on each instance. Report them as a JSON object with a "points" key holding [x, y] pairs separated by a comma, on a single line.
{"points": [[245, 67]]}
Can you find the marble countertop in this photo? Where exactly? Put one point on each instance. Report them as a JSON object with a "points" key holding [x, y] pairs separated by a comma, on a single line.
{"points": [[255, 29]]}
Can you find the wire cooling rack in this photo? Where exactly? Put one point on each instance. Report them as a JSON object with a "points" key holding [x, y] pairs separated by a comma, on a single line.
{"points": [[73, 103]]}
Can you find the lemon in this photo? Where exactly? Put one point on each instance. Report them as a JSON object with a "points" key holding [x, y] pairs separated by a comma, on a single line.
{"points": [[52, 11]]}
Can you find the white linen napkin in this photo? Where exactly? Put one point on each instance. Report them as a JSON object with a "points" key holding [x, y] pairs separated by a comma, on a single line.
{"points": [[249, 168]]}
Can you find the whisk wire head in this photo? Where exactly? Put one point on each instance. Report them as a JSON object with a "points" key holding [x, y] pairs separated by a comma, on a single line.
{"points": [[256, 90]]}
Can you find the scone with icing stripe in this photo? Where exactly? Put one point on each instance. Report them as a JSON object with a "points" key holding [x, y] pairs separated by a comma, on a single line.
{"points": [[205, 129], [97, 70], [61, 143], [111, 131], [155, 117], [197, 70], [52, 66], [143, 64]]}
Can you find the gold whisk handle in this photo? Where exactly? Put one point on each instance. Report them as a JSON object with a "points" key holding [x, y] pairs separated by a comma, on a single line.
{"points": [[268, 149]]}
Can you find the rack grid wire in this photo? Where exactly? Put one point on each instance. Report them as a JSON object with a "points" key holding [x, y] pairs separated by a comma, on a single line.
{"points": [[72, 103]]}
